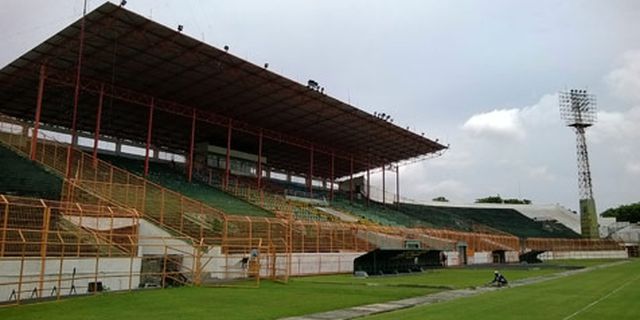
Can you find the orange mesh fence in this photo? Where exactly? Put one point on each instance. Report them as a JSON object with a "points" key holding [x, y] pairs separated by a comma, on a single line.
{"points": [[95, 181], [572, 244], [60, 226], [92, 181]]}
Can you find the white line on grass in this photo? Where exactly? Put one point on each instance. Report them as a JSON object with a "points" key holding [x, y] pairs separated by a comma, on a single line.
{"points": [[602, 298]]}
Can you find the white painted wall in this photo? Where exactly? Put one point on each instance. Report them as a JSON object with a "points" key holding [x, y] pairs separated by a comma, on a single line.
{"points": [[482, 257], [319, 263], [608, 254], [453, 259], [101, 224], [512, 256], [114, 273]]}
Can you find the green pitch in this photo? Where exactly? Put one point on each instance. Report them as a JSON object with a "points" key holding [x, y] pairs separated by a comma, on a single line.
{"points": [[610, 293], [272, 300]]}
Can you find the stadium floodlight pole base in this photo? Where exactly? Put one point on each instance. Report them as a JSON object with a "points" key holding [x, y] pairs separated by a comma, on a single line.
{"points": [[589, 219]]}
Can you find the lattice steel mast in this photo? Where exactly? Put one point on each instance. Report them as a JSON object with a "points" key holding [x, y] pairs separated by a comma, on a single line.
{"points": [[578, 110]]}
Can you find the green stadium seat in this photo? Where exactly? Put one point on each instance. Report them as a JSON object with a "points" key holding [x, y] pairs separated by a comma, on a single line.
{"points": [[22, 177], [171, 177]]}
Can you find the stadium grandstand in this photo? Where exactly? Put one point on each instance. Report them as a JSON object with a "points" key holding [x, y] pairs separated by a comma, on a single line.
{"points": [[136, 156]]}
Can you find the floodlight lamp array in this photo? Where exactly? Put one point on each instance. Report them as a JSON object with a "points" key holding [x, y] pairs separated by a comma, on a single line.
{"points": [[578, 108]]}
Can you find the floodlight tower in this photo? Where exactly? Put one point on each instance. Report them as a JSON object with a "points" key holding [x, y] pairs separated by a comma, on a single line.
{"points": [[578, 110]]}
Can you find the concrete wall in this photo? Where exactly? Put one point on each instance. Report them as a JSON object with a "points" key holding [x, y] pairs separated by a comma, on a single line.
{"points": [[318, 263], [114, 273], [230, 266], [453, 258], [483, 257], [609, 254], [101, 224], [512, 256], [156, 241]]}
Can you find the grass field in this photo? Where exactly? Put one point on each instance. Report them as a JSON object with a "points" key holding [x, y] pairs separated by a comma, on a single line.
{"points": [[610, 293], [301, 296]]}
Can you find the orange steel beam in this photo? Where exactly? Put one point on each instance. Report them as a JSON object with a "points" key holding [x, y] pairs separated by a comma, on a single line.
{"points": [[124, 94]]}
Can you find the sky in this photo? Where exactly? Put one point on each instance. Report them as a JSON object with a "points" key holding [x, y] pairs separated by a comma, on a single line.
{"points": [[482, 76]]}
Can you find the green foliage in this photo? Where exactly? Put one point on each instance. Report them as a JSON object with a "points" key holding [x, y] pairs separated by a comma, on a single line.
{"points": [[517, 201], [498, 199], [490, 199], [629, 212], [440, 199]]}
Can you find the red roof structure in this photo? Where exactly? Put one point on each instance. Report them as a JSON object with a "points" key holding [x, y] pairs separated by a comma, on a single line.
{"points": [[134, 63]]}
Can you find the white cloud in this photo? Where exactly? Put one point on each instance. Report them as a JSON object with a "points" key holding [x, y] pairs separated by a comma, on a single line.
{"points": [[625, 81], [515, 123], [502, 123], [618, 126]]}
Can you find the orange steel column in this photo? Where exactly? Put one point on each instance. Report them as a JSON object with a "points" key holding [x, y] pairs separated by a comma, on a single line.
{"points": [[259, 168], [368, 185], [398, 184], [43, 247], [332, 175], [76, 99], [383, 186], [36, 122], [5, 224], [351, 180], [310, 177], [149, 129], [228, 161], [96, 136], [192, 145]]}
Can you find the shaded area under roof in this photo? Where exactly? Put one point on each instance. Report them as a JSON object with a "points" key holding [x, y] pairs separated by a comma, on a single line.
{"points": [[136, 58]]}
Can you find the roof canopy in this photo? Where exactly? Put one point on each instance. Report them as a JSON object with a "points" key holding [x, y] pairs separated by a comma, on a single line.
{"points": [[137, 62]]}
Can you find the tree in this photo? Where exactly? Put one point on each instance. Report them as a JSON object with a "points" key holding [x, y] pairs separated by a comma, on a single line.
{"points": [[498, 199], [440, 199], [629, 212], [490, 199]]}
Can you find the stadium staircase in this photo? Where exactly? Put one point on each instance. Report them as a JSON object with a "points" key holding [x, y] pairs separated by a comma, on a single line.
{"points": [[270, 197], [374, 212], [22, 177], [173, 178], [24, 234], [103, 184]]}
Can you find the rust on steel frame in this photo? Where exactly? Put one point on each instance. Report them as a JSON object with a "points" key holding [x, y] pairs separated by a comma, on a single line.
{"points": [[47, 240], [132, 60], [100, 183]]}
